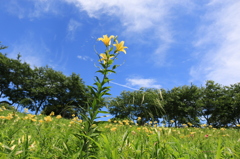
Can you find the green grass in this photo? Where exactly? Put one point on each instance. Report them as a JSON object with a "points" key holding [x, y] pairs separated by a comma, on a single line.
{"points": [[27, 136]]}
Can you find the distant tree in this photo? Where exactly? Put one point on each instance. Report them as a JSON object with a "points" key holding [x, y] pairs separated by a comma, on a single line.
{"points": [[235, 90], [70, 96], [210, 101], [145, 103], [181, 106]]}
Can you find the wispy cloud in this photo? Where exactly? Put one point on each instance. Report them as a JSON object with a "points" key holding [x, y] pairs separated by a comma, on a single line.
{"points": [[36, 52], [85, 58], [28, 54], [218, 44], [142, 82], [122, 85], [73, 25], [38, 8], [151, 20]]}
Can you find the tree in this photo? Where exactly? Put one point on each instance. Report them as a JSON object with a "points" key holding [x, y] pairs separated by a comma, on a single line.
{"points": [[70, 95], [181, 106], [145, 103], [210, 100]]}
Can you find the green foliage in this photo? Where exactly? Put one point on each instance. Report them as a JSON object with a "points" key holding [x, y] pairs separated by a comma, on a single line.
{"points": [[29, 136], [41, 88], [218, 105], [145, 103]]}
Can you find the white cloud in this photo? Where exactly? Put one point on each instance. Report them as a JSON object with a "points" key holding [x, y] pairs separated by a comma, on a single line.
{"points": [[144, 20], [219, 44], [73, 25], [85, 58], [122, 85], [37, 8], [142, 82], [32, 51]]}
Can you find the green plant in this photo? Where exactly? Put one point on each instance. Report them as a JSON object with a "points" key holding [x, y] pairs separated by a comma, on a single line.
{"points": [[88, 133]]}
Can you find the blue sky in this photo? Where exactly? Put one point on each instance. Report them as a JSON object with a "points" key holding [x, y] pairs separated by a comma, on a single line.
{"points": [[170, 43]]}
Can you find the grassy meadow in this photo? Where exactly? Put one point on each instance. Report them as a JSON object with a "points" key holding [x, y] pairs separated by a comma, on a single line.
{"points": [[23, 135]]}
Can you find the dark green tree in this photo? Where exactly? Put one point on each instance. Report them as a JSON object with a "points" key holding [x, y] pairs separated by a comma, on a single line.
{"points": [[145, 103]]}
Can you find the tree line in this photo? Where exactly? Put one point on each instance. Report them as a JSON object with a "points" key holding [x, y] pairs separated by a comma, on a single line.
{"points": [[212, 104], [41, 89]]}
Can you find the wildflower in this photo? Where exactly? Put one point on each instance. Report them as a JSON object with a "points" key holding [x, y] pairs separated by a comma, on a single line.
{"points": [[192, 133], [133, 132], [238, 125], [41, 121], [139, 118], [18, 152], [120, 46], [80, 121], [73, 115], [58, 116], [26, 110], [113, 129], [75, 119], [52, 113], [105, 58], [206, 135], [203, 125], [106, 40], [33, 120], [9, 117], [48, 118], [94, 125], [1, 110], [171, 121]]}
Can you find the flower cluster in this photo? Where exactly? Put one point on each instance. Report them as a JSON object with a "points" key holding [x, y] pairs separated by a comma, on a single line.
{"points": [[107, 57]]}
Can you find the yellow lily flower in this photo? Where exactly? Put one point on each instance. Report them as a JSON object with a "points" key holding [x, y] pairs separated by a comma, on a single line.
{"points": [[106, 40], [120, 46], [104, 57]]}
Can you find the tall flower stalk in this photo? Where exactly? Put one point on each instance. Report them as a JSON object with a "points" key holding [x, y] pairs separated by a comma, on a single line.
{"points": [[89, 134]]}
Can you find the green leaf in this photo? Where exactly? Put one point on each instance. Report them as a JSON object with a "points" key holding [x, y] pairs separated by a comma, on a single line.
{"points": [[104, 112]]}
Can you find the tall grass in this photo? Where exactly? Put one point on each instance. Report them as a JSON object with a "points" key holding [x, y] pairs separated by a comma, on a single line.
{"points": [[28, 136]]}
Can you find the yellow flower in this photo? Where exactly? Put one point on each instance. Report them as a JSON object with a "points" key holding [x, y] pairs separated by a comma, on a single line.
{"points": [[48, 118], [52, 113], [120, 46], [106, 40], [26, 110], [33, 120], [104, 57], [41, 121], [113, 129], [139, 118], [58, 116]]}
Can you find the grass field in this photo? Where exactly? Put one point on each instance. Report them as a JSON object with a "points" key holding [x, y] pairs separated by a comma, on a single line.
{"points": [[25, 135]]}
